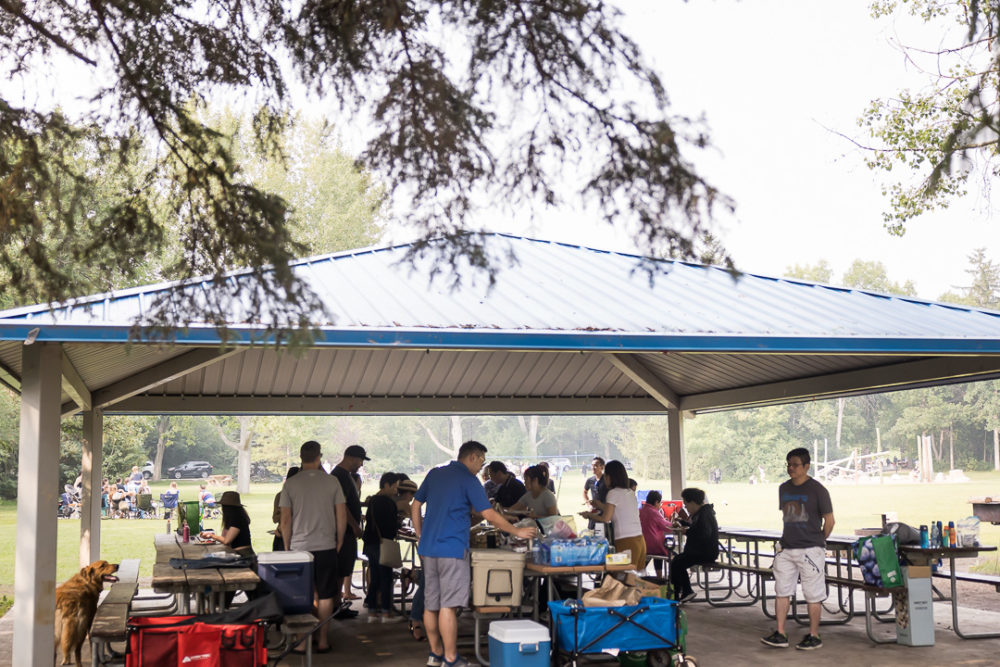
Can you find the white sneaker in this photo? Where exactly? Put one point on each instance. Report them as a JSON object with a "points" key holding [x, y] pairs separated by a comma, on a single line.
{"points": [[434, 660], [390, 618], [373, 618]]}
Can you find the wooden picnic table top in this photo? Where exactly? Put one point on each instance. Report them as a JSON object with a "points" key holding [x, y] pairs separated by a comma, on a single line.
{"points": [[169, 579]]}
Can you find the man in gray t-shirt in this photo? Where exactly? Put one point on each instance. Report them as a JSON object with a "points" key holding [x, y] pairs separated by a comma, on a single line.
{"points": [[313, 519], [807, 514]]}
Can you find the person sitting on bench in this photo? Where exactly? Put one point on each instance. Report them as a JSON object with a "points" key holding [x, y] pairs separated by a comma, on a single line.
{"points": [[701, 545]]}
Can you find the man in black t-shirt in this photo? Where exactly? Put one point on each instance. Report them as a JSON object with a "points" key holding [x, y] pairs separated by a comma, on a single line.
{"points": [[594, 488], [807, 515], [509, 489], [347, 553]]}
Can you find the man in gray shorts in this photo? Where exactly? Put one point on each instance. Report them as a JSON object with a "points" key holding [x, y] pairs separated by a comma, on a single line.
{"points": [[452, 492], [313, 519], [808, 520]]}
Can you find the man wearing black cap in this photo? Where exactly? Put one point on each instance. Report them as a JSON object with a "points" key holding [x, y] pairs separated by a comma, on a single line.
{"points": [[354, 457]]}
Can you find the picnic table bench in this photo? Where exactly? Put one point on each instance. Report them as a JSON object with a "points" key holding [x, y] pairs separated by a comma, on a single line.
{"points": [[111, 618]]}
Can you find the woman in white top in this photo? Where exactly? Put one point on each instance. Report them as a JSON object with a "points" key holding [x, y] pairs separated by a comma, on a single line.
{"points": [[621, 510]]}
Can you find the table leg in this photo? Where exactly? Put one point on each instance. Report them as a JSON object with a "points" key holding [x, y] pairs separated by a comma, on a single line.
{"points": [[954, 608]]}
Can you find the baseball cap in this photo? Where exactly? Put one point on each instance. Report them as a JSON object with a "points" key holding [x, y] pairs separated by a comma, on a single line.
{"points": [[357, 451]]}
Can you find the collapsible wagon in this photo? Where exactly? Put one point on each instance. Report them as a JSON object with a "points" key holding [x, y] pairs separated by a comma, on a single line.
{"points": [[655, 625]]}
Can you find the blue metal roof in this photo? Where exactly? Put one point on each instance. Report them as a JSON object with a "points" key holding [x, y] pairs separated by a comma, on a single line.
{"points": [[562, 296]]}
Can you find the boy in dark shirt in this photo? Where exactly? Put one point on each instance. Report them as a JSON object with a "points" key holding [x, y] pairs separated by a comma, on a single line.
{"points": [[808, 520]]}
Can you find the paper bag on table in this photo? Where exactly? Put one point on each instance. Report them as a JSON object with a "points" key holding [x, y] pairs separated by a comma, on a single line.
{"points": [[612, 593], [646, 588]]}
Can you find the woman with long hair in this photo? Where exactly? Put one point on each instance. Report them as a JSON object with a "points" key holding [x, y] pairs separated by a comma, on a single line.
{"points": [[621, 509], [235, 524]]}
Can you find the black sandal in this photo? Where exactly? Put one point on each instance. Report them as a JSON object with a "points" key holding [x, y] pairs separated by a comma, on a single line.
{"points": [[417, 631]]}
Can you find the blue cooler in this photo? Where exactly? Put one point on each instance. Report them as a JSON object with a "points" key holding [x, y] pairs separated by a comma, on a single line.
{"points": [[290, 575], [519, 644]]}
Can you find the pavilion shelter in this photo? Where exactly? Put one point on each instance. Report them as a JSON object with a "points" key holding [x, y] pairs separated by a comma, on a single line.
{"points": [[564, 330]]}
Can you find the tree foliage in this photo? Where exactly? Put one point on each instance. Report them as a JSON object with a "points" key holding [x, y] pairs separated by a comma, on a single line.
{"points": [[463, 103], [949, 130]]}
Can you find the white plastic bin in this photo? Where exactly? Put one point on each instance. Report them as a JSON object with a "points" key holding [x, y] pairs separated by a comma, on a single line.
{"points": [[519, 643]]}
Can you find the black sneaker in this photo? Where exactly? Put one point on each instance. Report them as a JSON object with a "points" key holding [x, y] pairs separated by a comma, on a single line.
{"points": [[776, 639], [809, 642]]}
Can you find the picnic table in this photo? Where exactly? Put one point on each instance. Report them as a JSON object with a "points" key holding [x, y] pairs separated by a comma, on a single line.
{"points": [[207, 585], [925, 556]]}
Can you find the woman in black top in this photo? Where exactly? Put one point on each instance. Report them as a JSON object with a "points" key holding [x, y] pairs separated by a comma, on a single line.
{"points": [[235, 524], [701, 544], [380, 521]]}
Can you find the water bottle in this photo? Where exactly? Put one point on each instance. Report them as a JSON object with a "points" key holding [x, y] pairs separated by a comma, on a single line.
{"points": [[951, 534], [187, 534], [168, 526], [925, 538], [935, 534]]}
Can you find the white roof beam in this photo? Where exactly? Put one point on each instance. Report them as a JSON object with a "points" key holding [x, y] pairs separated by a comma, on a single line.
{"points": [[632, 366], [166, 371], [73, 384], [883, 378], [10, 378], [354, 405]]}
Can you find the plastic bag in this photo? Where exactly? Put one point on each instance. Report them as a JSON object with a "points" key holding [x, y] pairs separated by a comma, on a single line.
{"points": [[879, 561]]}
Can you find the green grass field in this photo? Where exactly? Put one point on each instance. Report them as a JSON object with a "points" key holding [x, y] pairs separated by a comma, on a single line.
{"points": [[736, 504]]}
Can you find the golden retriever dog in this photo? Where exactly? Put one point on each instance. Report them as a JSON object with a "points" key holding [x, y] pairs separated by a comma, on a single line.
{"points": [[76, 604]]}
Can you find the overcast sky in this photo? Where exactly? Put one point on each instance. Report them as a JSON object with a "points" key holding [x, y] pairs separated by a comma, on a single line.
{"points": [[773, 79]]}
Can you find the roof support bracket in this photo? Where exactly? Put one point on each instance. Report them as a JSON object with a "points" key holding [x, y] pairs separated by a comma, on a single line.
{"points": [[73, 384], [171, 369], [632, 366]]}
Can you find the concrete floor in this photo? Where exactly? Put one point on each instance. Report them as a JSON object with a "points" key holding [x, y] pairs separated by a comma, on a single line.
{"points": [[716, 637]]}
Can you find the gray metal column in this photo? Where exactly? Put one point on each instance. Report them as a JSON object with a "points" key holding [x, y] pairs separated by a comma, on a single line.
{"points": [[90, 512], [37, 500], [675, 437]]}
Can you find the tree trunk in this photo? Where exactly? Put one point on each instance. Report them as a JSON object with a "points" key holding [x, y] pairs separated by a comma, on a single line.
{"points": [[951, 447], [455, 435], [938, 445], [529, 427], [162, 426], [996, 449], [242, 447], [840, 422]]}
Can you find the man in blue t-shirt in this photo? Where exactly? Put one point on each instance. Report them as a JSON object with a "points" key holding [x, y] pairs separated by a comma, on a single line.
{"points": [[451, 492], [807, 514]]}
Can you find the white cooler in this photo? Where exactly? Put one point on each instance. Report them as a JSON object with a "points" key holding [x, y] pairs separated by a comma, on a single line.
{"points": [[497, 577], [519, 643], [290, 575]]}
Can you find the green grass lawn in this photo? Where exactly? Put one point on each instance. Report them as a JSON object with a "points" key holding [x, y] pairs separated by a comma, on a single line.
{"points": [[736, 504]]}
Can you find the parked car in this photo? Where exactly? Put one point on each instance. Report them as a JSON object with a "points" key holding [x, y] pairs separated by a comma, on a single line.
{"points": [[190, 469], [147, 470]]}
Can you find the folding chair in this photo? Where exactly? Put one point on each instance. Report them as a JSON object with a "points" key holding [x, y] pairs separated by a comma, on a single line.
{"points": [[144, 506], [168, 501]]}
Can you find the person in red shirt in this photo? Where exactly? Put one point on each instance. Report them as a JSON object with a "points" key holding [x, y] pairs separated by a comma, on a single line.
{"points": [[654, 529]]}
